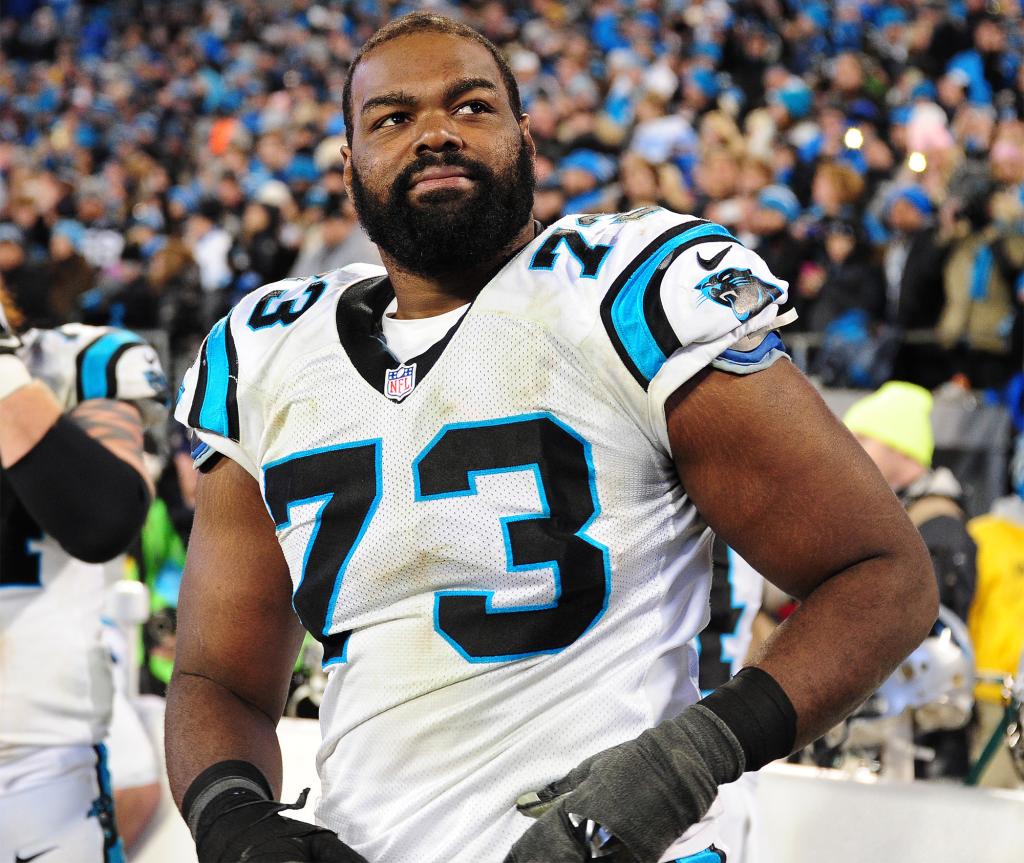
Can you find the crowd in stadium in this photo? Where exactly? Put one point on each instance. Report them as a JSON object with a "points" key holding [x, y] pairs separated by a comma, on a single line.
{"points": [[158, 161]]}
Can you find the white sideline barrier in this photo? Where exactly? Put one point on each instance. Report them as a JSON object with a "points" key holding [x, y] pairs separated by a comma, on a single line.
{"points": [[168, 840], [804, 815]]}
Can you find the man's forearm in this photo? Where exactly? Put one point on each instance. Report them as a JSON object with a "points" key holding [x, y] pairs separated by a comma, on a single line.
{"points": [[207, 723], [26, 415], [848, 636], [79, 491]]}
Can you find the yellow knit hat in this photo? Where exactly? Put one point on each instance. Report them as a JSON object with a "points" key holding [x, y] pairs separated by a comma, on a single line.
{"points": [[897, 414]]}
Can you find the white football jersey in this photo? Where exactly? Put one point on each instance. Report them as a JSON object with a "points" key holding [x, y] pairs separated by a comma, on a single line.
{"points": [[490, 539], [55, 680]]}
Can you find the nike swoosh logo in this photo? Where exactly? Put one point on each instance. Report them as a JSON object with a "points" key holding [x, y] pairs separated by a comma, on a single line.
{"points": [[712, 263], [18, 859]]}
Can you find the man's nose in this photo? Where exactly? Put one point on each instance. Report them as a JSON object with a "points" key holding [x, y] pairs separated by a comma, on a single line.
{"points": [[437, 133]]}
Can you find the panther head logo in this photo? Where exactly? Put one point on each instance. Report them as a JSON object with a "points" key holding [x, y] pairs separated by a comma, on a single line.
{"points": [[741, 290]]}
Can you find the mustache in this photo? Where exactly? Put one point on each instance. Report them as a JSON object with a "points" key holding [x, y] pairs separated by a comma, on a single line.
{"points": [[474, 170]]}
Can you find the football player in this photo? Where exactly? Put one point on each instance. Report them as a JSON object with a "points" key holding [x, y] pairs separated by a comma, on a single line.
{"points": [[73, 494], [485, 477]]}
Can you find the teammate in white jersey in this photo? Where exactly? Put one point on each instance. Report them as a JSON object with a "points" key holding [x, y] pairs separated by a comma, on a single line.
{"points": [[73, 493], [499, 527]]}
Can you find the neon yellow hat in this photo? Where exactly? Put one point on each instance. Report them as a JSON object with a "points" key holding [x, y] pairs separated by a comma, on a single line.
{"points": [[897, 414]]}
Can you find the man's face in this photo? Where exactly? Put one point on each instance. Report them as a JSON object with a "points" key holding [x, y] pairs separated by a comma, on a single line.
{"points": [[11, 256], [440, 169], [905, 217]]}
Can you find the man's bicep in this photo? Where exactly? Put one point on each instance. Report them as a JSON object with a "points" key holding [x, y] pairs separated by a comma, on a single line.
{"points": [[778, 477], [236, 625]]}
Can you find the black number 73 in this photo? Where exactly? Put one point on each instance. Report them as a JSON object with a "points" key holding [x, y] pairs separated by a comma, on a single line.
{"points": [[345, 481]]}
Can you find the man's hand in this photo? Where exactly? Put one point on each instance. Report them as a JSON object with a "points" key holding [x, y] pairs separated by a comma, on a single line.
{"points": [[642, 795], [256, 832]]}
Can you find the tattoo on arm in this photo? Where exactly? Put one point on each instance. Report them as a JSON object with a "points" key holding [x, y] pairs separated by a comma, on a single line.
{"points": [[115, 424]]}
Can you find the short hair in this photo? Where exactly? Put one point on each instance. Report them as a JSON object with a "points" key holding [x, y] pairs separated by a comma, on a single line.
{"points": [[428, 22]]}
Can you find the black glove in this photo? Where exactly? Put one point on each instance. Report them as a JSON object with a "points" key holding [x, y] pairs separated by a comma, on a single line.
{"points": [[629, 803], [230, 813], [239, 828], [9, 341]]}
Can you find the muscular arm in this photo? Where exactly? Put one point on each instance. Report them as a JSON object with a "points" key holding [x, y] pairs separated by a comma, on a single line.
{"points": [[237, 635], [81, 478], [783, 482]]}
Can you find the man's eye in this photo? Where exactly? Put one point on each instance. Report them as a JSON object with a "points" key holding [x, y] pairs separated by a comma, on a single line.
{"points": [[472, 108], [392, 119]]}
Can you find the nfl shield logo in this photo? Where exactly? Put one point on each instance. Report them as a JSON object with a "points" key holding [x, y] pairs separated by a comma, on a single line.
{"points": [[398, 383]]}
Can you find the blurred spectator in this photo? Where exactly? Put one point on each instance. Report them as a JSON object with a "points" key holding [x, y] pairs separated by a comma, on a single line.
{"points": [[845, 301], [997, 612], [259, 253], [337, 241], [173, 277], [913, 263], [22, 280], [841, 277], [894, 426], [775, 210], [979, 277], [209, 245], [68, 274]]}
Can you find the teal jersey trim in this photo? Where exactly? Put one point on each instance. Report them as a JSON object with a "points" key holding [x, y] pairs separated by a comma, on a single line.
{"points": [[709, 855], [627, 311], [97, 365], [213, 415]]}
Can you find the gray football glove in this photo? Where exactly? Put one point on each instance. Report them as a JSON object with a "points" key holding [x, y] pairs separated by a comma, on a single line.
{"points": [[629, 803]]}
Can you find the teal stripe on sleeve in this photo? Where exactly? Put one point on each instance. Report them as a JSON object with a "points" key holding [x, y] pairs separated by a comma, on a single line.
{"points": [[708, 856], [213, 415], [627, 311], [94, 382]]}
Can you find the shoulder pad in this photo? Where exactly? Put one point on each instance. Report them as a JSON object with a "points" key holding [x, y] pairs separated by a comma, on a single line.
{"points": [[266, 322], [81, 362]]}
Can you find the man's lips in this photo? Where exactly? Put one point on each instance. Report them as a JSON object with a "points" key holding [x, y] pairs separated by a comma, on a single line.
{"points": [[443, 177]]}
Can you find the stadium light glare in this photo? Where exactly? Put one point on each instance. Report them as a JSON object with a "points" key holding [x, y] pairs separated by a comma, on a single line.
{"points": [[854, 138], [917, 163]]}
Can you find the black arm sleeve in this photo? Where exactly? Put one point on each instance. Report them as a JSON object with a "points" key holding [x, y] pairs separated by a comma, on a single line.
{"points": [[80, 493]]}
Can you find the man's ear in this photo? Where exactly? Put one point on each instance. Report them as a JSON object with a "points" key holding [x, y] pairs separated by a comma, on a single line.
{"points": [[524, 127], [346, 157]]}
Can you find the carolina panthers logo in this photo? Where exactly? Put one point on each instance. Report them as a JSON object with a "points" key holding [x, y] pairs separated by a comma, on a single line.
{"points": [[741, 290]]}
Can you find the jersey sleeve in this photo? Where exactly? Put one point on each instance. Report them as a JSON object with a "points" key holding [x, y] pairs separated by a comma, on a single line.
{"points": [[118, 364], [686, 294], [226, 394], [208, 401]]}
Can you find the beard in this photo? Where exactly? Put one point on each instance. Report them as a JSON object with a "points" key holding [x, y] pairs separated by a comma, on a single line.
{"points": [[448, 230]]}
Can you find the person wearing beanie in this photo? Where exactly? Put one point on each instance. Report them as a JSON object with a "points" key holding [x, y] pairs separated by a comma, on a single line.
{"points": [[894, 426], [68, 274], [913, 264], [777, 208]]}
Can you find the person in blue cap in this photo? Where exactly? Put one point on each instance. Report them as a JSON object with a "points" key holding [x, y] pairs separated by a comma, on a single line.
{"points": [[913, 264], [68, 273], [775, 210], [700, 90]]}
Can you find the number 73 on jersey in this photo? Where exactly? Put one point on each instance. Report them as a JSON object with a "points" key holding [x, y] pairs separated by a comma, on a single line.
{"points": [[344, 481]]}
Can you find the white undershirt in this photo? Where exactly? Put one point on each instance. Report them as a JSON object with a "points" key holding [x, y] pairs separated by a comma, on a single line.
{"points": [[410, 338]]}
